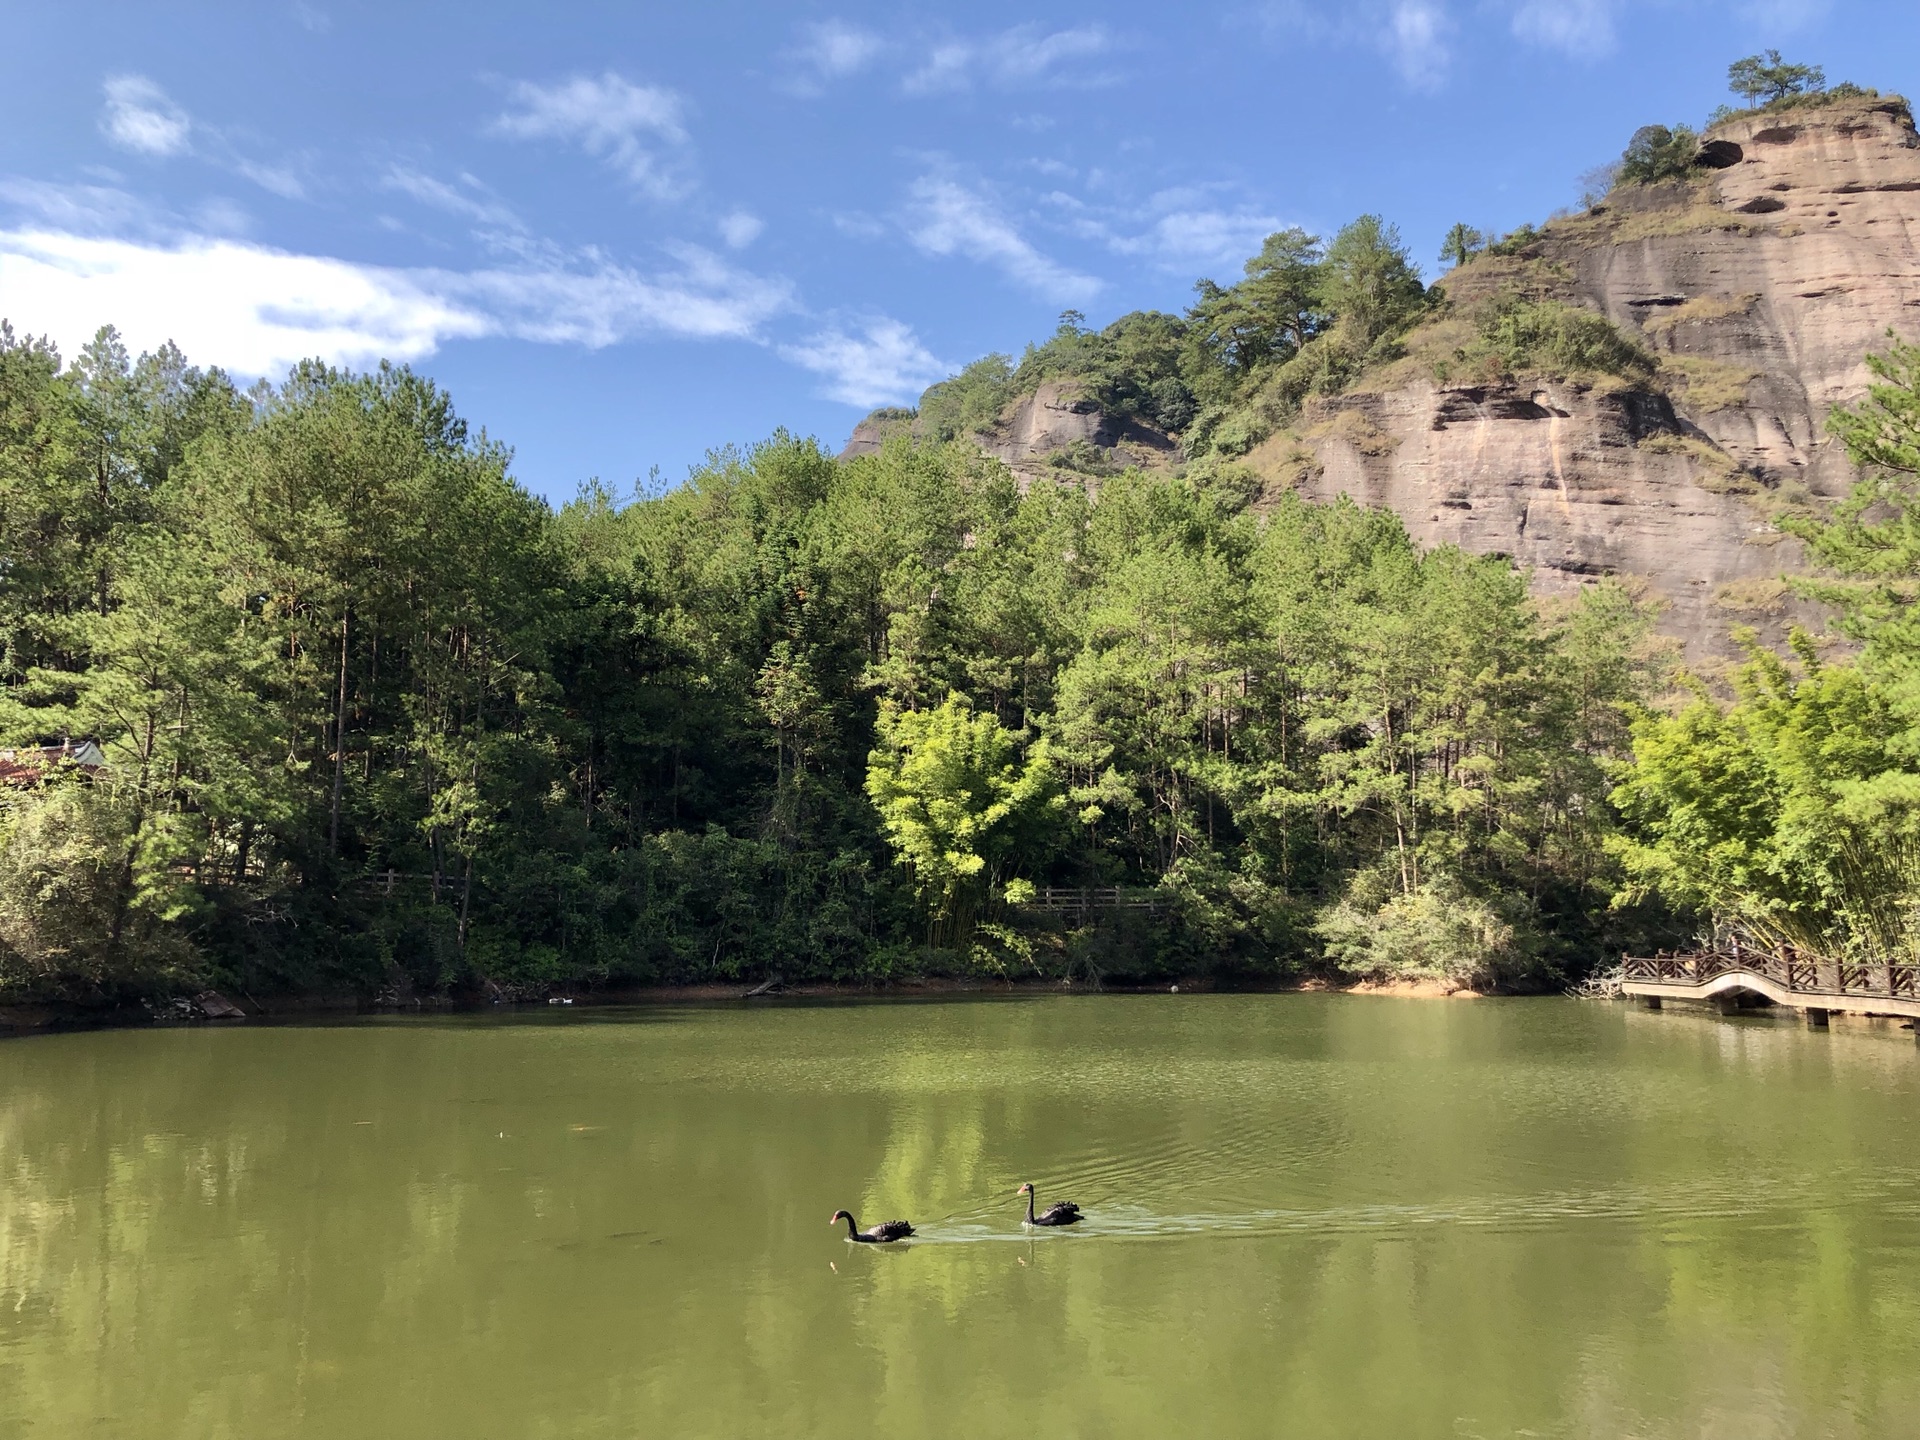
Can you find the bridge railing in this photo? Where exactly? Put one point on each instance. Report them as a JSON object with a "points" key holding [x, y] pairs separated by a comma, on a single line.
{"points": [[1095, 897], [1791, 970]]}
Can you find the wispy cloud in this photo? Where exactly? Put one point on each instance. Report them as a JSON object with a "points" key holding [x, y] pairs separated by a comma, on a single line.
{"points": [[1583, 29], [635, 128], [944, 63], [276, 179], [469, 199], [79, 209], [1413, 35], [946, 218], [884, 362], [701, 298], [1024, 55], [1182, 239], [1416, 41], [139, 117], [1418, 36], [740, 229], [831, 50], [256, 310]]}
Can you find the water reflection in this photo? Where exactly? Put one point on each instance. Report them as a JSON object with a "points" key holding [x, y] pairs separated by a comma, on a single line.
{"points": [[1306, 1214]]}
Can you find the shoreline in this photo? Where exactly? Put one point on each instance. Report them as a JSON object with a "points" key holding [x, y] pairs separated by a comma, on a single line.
{"points": [[21, 1020], [26, 1017]]}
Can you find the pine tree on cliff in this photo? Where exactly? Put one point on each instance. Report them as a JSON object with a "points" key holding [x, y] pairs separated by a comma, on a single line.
{"points": [[1766, 78]]}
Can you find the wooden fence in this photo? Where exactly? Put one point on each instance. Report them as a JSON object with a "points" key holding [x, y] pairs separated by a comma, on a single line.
{"points": [[1790, 970], [1085, 899]]}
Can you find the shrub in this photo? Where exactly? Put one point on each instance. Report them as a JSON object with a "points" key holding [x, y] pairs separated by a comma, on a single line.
{"points": [[1437, 932], [1514, 242], [1658, 153], [1552, 337], [969, 401], [84, 910], [1171, 404]]}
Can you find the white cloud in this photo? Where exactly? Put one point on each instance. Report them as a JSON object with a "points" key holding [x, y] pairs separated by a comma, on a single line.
{"points": [[703, 299], [274, 178], [140, 117], [256, 310], [251, 309], [470, 199], [949, 66], [1581, 28], [831, 51], [1416, 41], [858, 225], [1412, 34], [628, 125], [884, 362], [221, 216], [948, 219], [741, 229], [1024, 55], [86, 209], [1183, 238]]}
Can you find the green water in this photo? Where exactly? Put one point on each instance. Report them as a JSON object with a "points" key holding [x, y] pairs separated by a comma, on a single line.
{"points": [[1310, 1216]]}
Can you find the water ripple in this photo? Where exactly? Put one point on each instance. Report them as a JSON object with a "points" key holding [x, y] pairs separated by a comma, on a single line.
{"points": [[1895, 1195]]}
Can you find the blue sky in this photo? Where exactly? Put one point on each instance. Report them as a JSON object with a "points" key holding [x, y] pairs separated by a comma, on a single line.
{"points": [[623, 234]]}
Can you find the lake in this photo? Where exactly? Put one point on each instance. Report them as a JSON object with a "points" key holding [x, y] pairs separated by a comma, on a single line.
{"points": [[1311, 1215]]}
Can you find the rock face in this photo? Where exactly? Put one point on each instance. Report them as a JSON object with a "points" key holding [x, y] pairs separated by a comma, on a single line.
{"points": [[1828, 261], [1763, 287], [1059, 426], [874, 431], [1061, 417], [1575, 483]]}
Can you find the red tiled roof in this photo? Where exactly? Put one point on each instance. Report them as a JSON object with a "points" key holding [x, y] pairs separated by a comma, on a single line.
{"points": [[28, 766]]}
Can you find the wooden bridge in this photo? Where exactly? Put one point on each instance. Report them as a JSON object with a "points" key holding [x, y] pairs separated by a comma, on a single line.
{"points": [[1084, 900], [1816, 985]]}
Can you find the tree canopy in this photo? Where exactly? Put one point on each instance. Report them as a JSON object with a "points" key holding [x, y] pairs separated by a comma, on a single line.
{"points": [[1765, 79], [1794, 811], [378, 720]]}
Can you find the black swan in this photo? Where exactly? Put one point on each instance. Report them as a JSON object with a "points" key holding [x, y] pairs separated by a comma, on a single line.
{"points": [[879, 1235], [1061, 1212]]}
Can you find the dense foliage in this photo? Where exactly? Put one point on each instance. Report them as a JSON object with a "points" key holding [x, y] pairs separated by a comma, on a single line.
{"points": [[1794, 812], [377, 720], [1766, 79], [1305, 319], [1659, 152], [1765, 82]]}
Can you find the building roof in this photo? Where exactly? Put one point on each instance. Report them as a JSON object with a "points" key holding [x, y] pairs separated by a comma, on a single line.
{"points": [[29, 765]]}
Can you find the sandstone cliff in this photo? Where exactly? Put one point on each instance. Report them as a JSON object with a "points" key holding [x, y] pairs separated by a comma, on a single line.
{"points": [[1762, 286], [1058, 427], [1061, 419]]}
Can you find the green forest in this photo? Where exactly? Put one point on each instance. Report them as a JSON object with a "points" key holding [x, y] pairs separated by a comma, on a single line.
{"points": [[378, 722]]}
